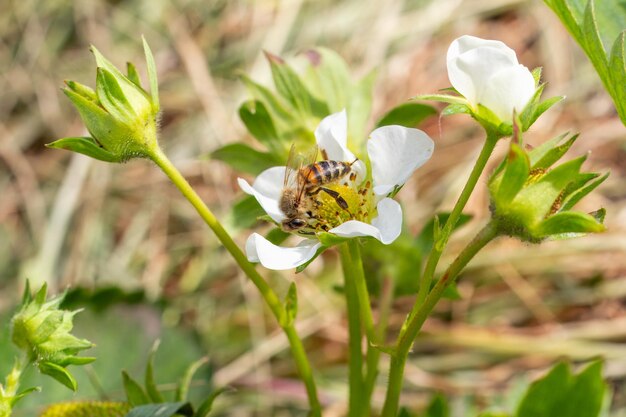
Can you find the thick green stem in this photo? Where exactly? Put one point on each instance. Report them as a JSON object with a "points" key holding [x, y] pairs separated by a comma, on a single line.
{"points": [[355, 355], [440, 244], [373, 354], [272, 301], [413, 326]]}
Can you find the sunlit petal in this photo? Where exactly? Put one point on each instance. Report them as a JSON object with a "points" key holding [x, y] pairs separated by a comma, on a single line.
{"points": [[395, 153], [267, 189], [259, 249]]}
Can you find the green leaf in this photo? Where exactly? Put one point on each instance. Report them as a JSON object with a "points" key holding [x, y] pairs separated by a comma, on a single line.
{"points": [[242, 157], [59, 373], [359, 108], [562, 394], [275, 107], [152, 75], [407, 115], [569, 222], [438, 407], [586, 395], [259, 123], [329, 77], [151, 386], [291, 306], [162, 410], [185, 383], [546, 394], [207, 404], [245, 213], [277, 236], [85, 145], [134, 392], [290, 86], [617, 73], [514, 176], [536, 72]]}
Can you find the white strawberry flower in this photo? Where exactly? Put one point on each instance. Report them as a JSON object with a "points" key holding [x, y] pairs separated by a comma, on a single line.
{"points": [[487, 72], [394, 152]]}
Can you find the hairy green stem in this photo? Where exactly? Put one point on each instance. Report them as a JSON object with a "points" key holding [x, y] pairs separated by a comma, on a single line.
{"points": [[355, 355], [272, 301], [440, 244], [413, 326]]}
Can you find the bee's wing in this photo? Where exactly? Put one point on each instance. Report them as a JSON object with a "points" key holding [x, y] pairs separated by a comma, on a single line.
{"points": [[305, 161], [291, 169]]}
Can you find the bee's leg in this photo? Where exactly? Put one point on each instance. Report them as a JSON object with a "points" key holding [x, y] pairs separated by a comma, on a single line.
{"points": [[338, 198]]}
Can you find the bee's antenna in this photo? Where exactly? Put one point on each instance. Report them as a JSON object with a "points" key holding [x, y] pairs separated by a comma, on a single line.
{"points": [[352, 163]]}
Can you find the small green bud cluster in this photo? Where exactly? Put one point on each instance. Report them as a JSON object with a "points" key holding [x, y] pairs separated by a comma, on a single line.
{"points": [[120, 115], [87, 409], [43, 332], [531, 199]]}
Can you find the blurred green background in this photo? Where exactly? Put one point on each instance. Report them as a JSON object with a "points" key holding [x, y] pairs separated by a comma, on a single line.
{"points": [[151, 269]]}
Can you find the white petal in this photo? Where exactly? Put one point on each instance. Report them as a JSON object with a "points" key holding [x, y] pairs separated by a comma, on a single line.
{"points": [[267, 189], [472, 61], [332, 136], [395, 152], [386, 227], [509, 89], [259, 249]]}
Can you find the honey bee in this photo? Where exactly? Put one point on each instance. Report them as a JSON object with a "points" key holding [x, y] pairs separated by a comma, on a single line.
{"points": [[305, 178]]}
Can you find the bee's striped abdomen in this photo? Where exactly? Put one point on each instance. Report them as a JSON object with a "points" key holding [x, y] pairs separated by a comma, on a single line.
{"points": [[324, 172]]}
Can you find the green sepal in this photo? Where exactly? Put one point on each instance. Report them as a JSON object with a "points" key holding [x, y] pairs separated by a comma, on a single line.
{"points": [[536, 73], [568, 222], [59, 373], [291, 306], [244, 158], [135, 394], [535, 201], [244, 213], [76, 360], [112, 97], [13, 400], [452, 109], [258, 121], [207, 405], [162, 410], [136, 96], [536, 108], [442, 98], [553, 154], [513, 178], [319, 251], [82, 90], [329, 239], [277, 236], [85, 145], [133, 75], [152, 76], [580, 193], [183, 386], [150, 383], [407, 115]]}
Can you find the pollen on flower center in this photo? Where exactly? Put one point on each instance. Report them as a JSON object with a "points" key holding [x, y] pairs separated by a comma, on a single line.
{"points": [[329, 213]]}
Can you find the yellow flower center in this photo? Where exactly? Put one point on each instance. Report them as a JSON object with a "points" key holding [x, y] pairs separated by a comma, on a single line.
{"points": [[331, 211]]}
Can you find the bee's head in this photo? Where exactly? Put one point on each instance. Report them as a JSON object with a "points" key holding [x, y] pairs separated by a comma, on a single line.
{"points": [[292, 225]]}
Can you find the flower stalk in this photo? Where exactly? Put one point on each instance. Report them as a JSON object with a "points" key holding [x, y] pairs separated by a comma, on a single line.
{"points": [[270, 297], [416, 321]]}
